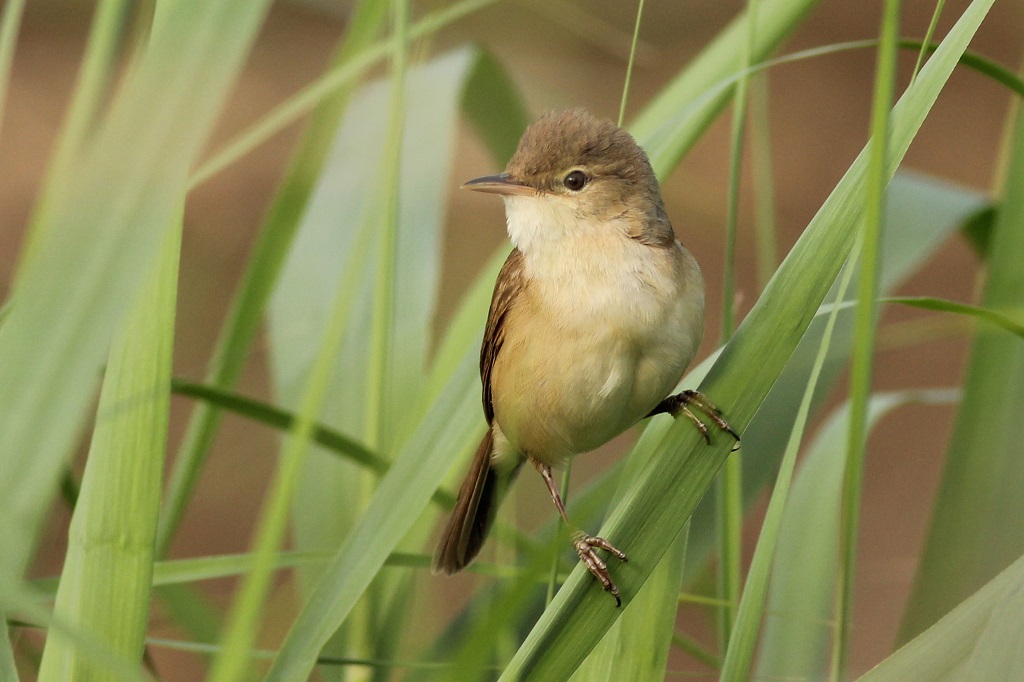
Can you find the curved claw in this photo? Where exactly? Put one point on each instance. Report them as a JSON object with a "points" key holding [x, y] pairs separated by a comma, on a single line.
{"points": [[681, 403], [586, 547]]}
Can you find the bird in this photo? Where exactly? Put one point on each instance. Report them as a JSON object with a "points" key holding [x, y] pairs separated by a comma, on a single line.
{"points": [[596, 313]]}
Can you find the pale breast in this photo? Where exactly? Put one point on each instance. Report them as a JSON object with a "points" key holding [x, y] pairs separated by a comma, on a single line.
{"points": [[597, 341]]}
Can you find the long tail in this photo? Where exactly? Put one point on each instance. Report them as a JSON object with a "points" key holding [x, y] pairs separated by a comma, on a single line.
{"points": [[474, 511]]}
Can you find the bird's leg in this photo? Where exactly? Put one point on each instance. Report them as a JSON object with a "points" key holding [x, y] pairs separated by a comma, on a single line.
{"points": [[586, 546], [682, 402]]}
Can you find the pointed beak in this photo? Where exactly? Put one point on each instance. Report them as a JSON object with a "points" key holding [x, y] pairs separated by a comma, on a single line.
{"points": [[498, 184]]}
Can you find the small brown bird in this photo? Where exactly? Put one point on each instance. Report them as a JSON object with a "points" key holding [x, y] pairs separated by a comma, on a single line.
{"points": [[595, 315]]}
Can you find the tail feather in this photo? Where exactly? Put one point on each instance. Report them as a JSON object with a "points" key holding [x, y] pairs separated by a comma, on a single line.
{"points": [[479, 497]]}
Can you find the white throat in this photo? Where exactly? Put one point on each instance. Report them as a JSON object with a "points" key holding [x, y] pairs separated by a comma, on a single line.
{"points": [[539, 222]]}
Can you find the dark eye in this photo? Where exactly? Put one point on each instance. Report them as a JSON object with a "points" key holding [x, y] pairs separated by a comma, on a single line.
{"points": [[575, 180]]}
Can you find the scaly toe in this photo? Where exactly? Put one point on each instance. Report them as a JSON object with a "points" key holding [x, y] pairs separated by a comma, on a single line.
{"points": [[586, 547]]}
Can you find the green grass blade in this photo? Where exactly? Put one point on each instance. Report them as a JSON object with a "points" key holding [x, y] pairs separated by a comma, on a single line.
{"points": [[436, 90], [1003, 321], [110, 210], [324, 436], [926, 212], [263, 269], [246, 614], [928, 37], [10, 22], [637, 645], [798, 626], [729, 484], [739, 653], [339, 77], [763, 181], [976, 528], [865, 317], [978, 640], [671, 124], [621, 120], [448, 428], [397, 350], [983, 65], [683, 468], [107, 38], [281, 419], [106, 580]]}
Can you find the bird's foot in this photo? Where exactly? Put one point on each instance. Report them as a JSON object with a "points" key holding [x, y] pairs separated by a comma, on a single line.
{"points": [[681, 404], [587, 546]]}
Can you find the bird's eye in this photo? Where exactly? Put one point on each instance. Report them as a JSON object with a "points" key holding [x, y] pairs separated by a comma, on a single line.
{"points": [[575, 180]]}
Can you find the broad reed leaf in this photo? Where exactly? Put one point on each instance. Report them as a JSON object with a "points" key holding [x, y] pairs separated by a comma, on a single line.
{"points": [[798, 626], [978, 641], [106, 580], [976, 528], [101, 227], [264, 266]]}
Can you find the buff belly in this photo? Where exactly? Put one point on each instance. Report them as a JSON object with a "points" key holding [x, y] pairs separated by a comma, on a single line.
{"points": [[555, 400]]}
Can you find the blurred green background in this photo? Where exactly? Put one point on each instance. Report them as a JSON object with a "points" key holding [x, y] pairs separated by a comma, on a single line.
{"points": [[562, 54]]}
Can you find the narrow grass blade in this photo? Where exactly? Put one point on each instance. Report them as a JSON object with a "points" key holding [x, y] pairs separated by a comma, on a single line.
{"points": [[297, 306], [106, 580], [339, 77], [979, 640], [763, 180], [397, 350], [106, 217], [332, 496], [10, 22], [979, 63], [730, 482], [683, 468], [449, 427], [246, 615], [865, 318], [994, 317], [976, 528], [739, 651], [437, 91], [922, 213], [281, 419], [671, 124]]}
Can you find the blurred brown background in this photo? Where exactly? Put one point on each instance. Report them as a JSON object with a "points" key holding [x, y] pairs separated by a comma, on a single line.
{"points": [[561, 54]]}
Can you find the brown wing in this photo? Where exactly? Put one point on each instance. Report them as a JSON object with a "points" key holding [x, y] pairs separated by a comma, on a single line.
{"points": [[506, 290]]}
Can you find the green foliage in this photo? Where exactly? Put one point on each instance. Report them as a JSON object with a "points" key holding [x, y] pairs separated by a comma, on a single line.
{"points": [[976, 530], [379, 407], [108, 572]]}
